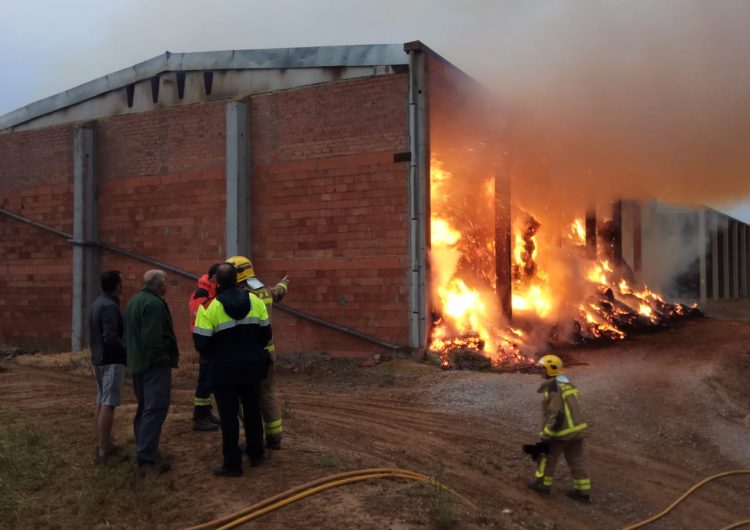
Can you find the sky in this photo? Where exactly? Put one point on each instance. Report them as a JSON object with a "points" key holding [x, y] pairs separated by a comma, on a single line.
{"points": [[651, 94]]}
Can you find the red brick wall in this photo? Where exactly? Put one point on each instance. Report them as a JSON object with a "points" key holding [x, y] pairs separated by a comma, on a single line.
{"points": [[162, 194], [330, 208], [36, 181]]}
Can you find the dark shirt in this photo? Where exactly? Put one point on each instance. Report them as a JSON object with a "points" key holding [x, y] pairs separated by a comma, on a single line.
{"points": [[149, 333], [106, 331]]}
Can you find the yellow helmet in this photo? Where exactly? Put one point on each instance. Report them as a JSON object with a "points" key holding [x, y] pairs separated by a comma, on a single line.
{"points": [[552, 364], [244, 268]]}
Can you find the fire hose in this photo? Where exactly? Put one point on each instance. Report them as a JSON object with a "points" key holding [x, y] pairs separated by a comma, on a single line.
{"points": [[311, 488], [167, 267], [689, 492]]}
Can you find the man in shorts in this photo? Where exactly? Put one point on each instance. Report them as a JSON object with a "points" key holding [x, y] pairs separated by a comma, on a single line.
{"points": [[108, 359]]}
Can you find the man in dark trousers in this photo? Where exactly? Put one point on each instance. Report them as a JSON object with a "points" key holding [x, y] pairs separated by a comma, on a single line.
{"points": [[108, 359], [204, 293], [232, 333], [152, 353]]}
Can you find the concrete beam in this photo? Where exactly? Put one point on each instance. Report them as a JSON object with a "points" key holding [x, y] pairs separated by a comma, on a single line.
{"points": [[725, 270], [591, 233], [702, 250], [238, 162], [743, 260], [86, 256], [419, 200], [734, 259], [503, 246], [714, 224]]}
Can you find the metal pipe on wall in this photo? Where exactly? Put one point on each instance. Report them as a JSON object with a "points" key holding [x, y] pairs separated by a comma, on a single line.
{"points": [[186, 274]]}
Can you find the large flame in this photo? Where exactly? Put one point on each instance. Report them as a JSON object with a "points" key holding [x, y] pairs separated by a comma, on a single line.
{"points": [[553, 283]]}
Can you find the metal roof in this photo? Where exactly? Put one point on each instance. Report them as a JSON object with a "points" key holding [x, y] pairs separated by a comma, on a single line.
{"points": [[312, 57]]}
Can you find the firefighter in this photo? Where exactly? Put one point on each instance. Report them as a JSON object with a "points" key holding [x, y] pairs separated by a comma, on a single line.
{"points": [[232, 333], [268, 403], [205, 292], [564, 430]]}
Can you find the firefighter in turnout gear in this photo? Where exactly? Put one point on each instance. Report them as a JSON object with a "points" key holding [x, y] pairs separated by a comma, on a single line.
{"points": [[564, 430], [246, 279]]}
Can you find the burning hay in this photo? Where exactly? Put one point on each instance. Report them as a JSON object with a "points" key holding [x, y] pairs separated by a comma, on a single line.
{"points": [[559, 296]]}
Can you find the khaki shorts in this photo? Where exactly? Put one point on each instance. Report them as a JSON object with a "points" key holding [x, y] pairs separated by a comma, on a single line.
{"points": [[109, 381]]}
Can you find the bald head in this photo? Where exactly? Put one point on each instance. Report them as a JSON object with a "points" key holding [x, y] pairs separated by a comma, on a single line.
{"points": [[156, 280]]}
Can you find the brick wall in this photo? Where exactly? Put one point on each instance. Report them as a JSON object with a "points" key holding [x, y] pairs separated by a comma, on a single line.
{"points": [[330, 209], [162, 194], [36, 181]]}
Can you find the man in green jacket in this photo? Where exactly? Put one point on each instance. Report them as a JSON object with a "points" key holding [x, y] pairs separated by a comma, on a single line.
{"points": [[152, 353]]}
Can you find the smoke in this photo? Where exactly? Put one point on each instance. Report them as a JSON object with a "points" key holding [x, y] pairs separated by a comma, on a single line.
{"points": [[637, 99]]}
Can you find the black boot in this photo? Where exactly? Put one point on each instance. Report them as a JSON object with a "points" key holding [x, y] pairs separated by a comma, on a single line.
{"points": [[538, 487], [579, 495], [228, 471]]}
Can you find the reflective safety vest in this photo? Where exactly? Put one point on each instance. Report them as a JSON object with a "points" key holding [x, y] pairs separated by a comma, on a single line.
{"points": [[563, 417], [224, 335]]}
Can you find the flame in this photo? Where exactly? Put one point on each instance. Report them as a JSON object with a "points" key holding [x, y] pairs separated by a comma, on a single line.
{"points": [[605, 304]]}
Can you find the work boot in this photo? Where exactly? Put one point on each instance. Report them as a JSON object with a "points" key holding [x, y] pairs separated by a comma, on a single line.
{"points": [[258, 461], [273, 444], [228, 471], [538, 487], [204, 424], [153, 468], [580, 496]]}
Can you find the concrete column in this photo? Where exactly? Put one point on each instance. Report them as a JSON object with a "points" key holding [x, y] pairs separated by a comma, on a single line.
{"points": [[617, 233], [734, 257], [591, 233], [86, 255], [725, 271], [419, 198], [702, 249], [715, 273], [503, 246], [238, 180], [743, 260]]}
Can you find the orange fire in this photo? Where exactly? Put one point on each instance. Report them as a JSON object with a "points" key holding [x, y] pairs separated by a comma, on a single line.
{"points": [[594, 295]]}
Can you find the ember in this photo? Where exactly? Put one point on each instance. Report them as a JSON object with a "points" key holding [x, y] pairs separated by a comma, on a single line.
{"points": [[558, 294]]}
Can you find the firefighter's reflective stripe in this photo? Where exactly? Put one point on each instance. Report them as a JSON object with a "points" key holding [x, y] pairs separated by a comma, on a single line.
{"points": [[547, 481], [270, 348], [214, 319], [273, 427], [541, 467], [567, 392], [202, 402], [582, 484]]}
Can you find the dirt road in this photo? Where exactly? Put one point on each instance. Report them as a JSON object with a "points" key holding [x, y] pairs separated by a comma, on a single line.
{"points": [[667, 408]]}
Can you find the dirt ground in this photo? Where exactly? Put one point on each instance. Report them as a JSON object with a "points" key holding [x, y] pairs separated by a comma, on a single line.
{"points": [[668, 409]]}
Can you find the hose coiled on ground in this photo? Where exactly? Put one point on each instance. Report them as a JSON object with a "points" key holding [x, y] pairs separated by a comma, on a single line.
{"points": [[311, 488]]}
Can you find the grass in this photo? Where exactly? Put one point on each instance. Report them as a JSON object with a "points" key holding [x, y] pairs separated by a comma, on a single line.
{"points": [[48, 480], [441, 502], [75, 361]]}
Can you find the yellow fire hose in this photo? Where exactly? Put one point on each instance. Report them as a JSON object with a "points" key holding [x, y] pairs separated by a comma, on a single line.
{"points": [[689, 492], [316, 486]]}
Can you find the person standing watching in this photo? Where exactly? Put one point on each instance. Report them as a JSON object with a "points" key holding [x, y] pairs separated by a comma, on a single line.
{"points": [[108, 359], [232, 333], [152, 353], [204, 293]]}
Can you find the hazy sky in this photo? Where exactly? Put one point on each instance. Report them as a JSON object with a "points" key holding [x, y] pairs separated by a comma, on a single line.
{"points": [[633, 72]]}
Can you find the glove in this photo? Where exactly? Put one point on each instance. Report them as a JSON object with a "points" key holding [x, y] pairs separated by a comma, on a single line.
{"points": [[536, 450]]}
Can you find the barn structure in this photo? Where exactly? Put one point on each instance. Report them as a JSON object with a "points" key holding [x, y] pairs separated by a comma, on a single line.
{"points": [[314, 162]]}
